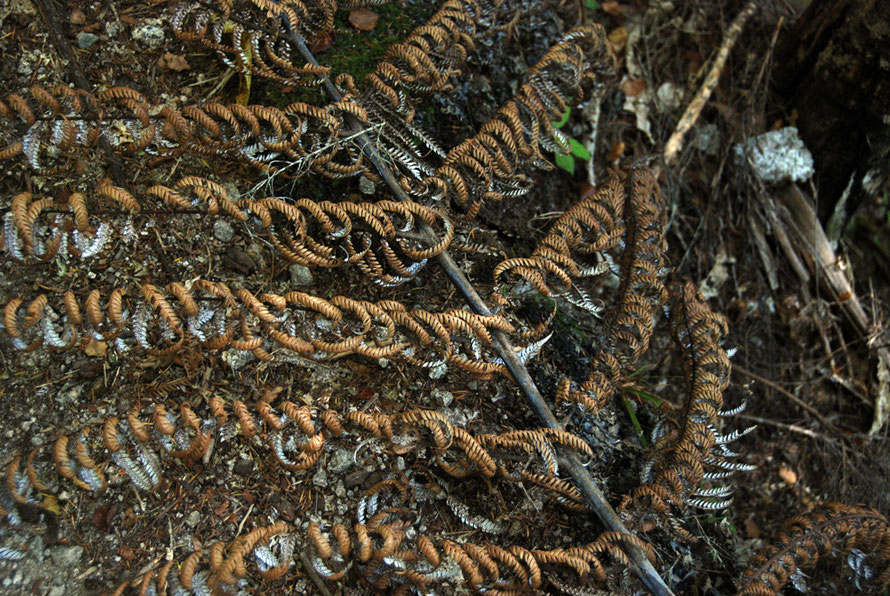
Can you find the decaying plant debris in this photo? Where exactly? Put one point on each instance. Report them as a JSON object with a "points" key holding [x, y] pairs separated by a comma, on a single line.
{"points": [[277, 319]]}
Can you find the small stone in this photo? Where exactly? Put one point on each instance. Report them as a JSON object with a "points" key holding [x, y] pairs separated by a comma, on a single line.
{"points": [[300, 275], [320, 479], [193, 519], [788, 475], [67, 556], [37, 546], [223, 230], [77, 17], [57, 591], [778, 156], [438, 371], [112, 28], [237, 259], [366, 185], [86, 40], [340, 461], [442, 398], [707, 138], [355, 478], [150, 33], [243, 467]]}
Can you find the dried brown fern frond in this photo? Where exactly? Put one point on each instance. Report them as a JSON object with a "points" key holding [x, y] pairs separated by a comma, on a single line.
{"points": [[157, 320], [493, 164], [391, 555], [289, 141], [618, 229], [377, 237], [425, 62], [251, 36], [832, 529], [291, 436], [688, 446], [578, 244]]}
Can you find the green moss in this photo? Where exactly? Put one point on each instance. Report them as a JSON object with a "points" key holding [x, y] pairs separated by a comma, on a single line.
{"points": [[358, 52]]}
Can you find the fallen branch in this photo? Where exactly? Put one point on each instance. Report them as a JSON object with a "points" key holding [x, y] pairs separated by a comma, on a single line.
{"points": [[821, 258], [693, 110]]}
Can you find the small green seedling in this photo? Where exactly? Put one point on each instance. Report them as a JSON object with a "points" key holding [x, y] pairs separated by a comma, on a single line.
{"points": [[576, 149], [633, 418], [592, 4]]}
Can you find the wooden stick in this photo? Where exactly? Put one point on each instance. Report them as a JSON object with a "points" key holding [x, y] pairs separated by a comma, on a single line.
{"points": [[693, 110]]}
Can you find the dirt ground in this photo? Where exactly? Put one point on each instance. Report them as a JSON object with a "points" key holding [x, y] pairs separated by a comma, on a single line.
{"points": [[806, 374]]}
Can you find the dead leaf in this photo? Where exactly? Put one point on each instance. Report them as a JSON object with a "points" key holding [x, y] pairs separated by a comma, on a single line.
{"points": [[321, 43], [51, 503], [618, 39], [126, 553], [788, 475], [751, 529], [96, 348], [104, 515], [633, 87], [77, 17], [612, 7], [176, 62], [616, 151], [363, 19]]}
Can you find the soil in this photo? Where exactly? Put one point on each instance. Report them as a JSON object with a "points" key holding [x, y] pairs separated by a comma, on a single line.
{"points": [[71, 541]]}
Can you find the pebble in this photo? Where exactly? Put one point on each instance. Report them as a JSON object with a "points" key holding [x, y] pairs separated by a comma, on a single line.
{"points": [[366, 186], [57, 591], [321, 478], [339, 461], [223, 230], [243, 467], [67, 556], [37, 546], [438, 371], [778, 156], [193, 519], [150, 33], [355, 478], [86, 40], [300, 275], [442, 398]]}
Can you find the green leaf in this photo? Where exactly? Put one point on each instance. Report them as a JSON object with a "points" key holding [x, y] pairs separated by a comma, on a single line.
{"points": [[566, 162], [579, 150], [633, 418], [564, 119], [592, 4]]}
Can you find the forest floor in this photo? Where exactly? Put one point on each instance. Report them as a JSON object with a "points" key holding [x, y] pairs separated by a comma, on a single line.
{"points": [[806, 374]]}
